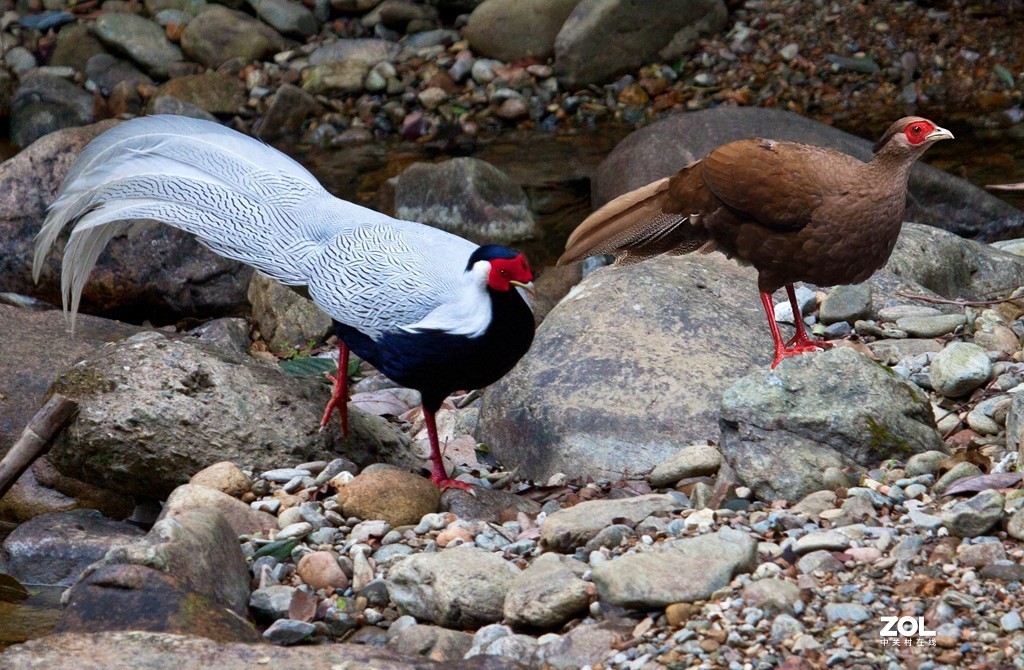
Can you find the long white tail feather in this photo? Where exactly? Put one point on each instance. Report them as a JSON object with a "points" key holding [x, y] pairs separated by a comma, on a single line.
{"points": [[249, 202]]}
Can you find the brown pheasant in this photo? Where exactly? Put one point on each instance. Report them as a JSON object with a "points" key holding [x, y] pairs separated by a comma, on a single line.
{"points": [[793, 211]]}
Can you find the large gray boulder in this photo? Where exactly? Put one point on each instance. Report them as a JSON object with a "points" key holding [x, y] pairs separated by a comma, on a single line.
{"points": [[149, 271], [936, 198], [513, 29], [602, 39], [782, 429], [628, 369], [154, 411]]}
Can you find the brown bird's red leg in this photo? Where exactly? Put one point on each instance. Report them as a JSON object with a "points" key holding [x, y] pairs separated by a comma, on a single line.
{"points": [[438, 475], [783, 350], [340, 397], [801, 339]]}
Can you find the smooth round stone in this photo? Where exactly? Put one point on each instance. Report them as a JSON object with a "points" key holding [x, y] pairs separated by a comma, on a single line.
{"points": [[284, 475], [301, 529], [931, 326], [848, 304], [897, 312], [959, 369]]}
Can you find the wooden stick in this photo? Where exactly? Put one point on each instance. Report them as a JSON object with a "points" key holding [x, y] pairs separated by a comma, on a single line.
{"points": [[35, 439]]}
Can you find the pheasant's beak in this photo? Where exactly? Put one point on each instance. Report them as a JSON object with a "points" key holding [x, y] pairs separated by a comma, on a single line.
{"points": [[529, 288], [938, 134]]}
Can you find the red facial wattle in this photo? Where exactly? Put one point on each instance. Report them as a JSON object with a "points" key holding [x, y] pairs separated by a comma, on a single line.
{"points": [[918, 131], [504, 271]]}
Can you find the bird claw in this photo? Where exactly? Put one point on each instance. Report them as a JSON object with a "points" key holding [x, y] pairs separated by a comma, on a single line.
{"points": [[797, 349], [445, 482]]}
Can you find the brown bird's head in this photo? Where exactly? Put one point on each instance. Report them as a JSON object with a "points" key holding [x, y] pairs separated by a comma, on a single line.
{"points": [[911, 134]]}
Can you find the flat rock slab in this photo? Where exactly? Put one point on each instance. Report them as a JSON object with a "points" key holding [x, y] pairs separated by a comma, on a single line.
{"points": [[573, 527], [154, 411], [682, 571], [782, 429], [161, 651]]}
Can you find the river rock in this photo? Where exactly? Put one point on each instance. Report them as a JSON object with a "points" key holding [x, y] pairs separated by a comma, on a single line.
{"points": [[846, 303], [44, 103], [959, 368], [225, 477], [243, 519], [139, 598], [108, 71], [434, 642], [140, 39], [215, 92], [367, 50], [693, 461], [286, 631], [936, 197], [320, 570], [223, 34], [772, 595], [468, 197], [75, 46], [681, 571], [548, 593], [602, 39], [288, 18], [510, 30], [488, 505], [287, 113], [460, 587], [573, 527], [398, 497], [930, 326], [604, 390], [782, 429], [975, 516], [153, 411], [285, 318], [56, 548], [122, 649]]}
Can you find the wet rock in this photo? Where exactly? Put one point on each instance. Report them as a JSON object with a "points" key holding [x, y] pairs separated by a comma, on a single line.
{"points": [[288, 18], [320, 570], [772, 595], [101, 651], [846, 303], [243, 519], [975, 516], [488, 505], [959, 368], [225, 477], [215, 92], [584, 645], [56, 548], [155, 410], [600, 40], [395, 496], [693, 461], [224, 34], [289, 110], [433, 642], [772, 422], [129, 597], [569, 528], [548, 593], [510, 30], [465, 196], [141, 40], [603, 390], [936, 198], [459, 587], [285, 318], [681, 571]]}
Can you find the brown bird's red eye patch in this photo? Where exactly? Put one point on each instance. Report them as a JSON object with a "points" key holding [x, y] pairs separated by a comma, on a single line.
{"points": [[917, 131]]}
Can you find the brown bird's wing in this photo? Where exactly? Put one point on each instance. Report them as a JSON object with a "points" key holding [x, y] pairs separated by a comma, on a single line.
{"points": [[777, 184], [662, 217]]}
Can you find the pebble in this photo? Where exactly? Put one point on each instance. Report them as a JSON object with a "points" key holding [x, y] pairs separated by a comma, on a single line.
{"points": [[975, 516], [284, 475], [295, 530], [959, 368], [287, 631], [930, 326]]}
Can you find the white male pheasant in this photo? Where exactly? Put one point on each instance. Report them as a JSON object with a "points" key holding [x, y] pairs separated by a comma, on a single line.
{"points": [[430, 310]]}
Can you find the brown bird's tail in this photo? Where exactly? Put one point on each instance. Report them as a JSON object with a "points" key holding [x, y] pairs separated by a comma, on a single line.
{"points": [[638, 225]]}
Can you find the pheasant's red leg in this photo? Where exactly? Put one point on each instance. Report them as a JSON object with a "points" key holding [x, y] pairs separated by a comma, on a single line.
{"points": [[438, 475], [801, 339], [340, 397], [782, 350]]}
